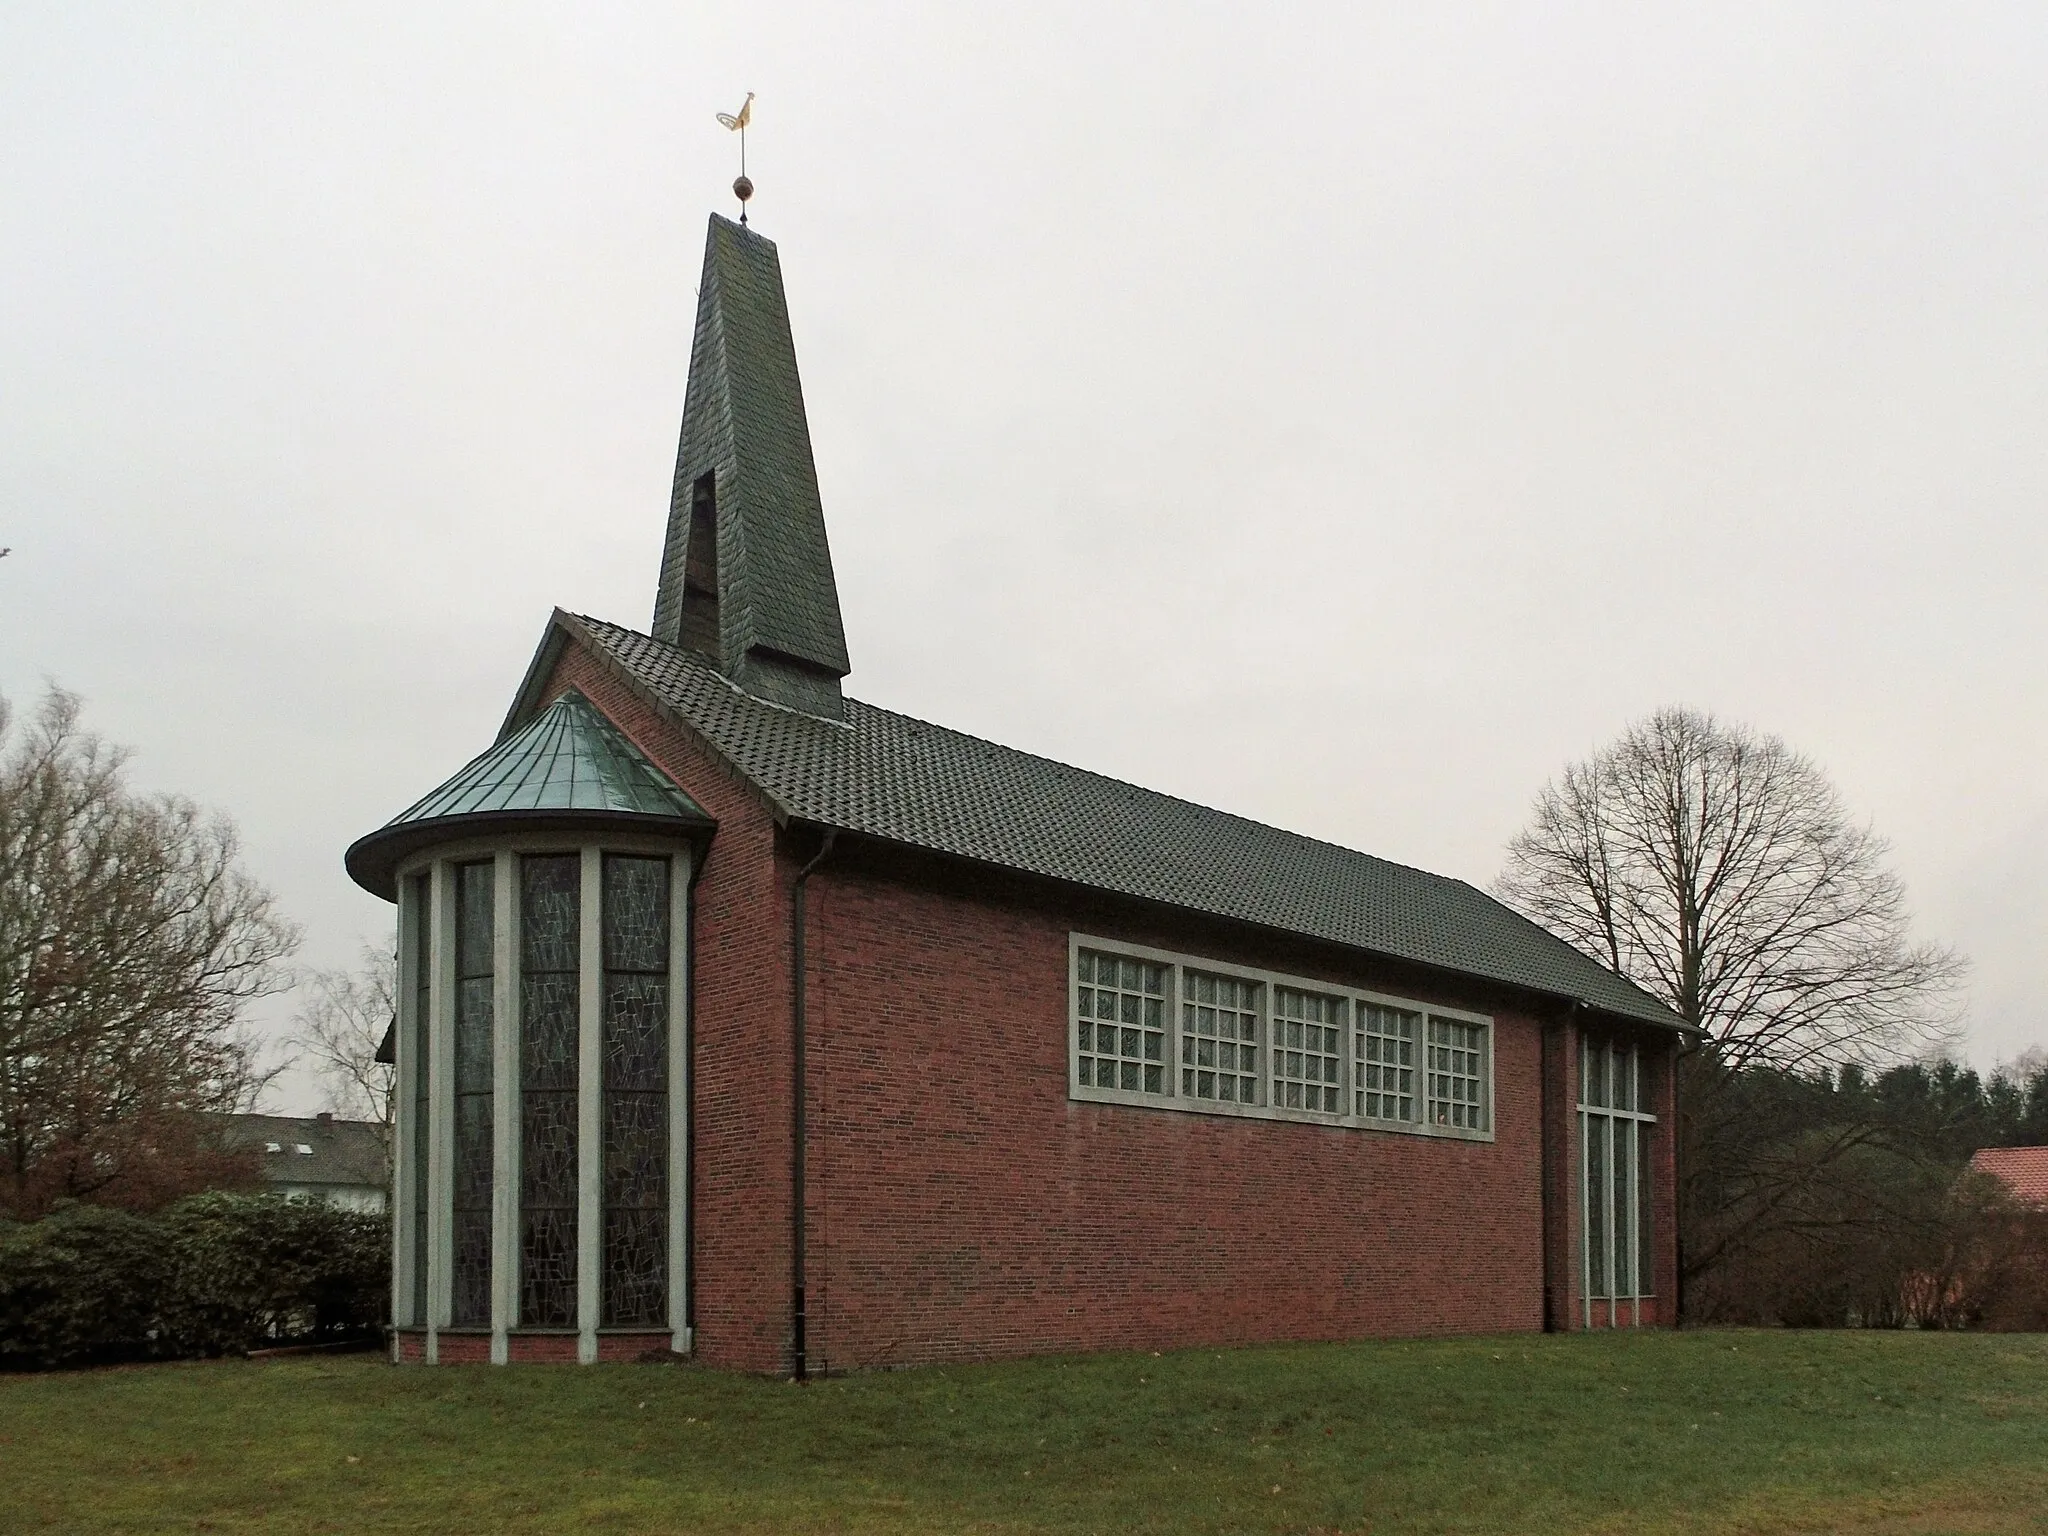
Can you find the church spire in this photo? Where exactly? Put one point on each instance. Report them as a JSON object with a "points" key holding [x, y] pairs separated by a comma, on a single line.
{"points": [[746, 574]]}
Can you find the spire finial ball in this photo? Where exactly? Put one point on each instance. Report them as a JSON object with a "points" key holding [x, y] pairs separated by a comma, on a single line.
{"points": [[742, 189]]}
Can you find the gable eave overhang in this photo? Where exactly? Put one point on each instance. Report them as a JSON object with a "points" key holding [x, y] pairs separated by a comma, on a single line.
{"points": [[373, 861]]}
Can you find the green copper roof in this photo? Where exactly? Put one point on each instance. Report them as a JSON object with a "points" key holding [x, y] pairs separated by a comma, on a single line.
{"points": [[779, 629], [570, 758], [569, 765]]}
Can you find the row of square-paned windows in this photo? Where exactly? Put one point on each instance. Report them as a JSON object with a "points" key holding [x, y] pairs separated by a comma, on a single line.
{"points": [[1178, 1031]]}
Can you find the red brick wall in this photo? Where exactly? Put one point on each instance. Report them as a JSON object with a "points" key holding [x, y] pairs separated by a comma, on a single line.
{"points": [[462, 1348], [627, 1347], [962, 1205], [540, 1349]]}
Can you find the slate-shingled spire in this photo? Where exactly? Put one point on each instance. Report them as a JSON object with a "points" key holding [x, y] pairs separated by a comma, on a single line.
{"points": [[746, 575]]}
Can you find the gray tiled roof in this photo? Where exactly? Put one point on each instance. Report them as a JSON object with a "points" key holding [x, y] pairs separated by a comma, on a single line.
{"points": [[344, 1152], [888, 776]]}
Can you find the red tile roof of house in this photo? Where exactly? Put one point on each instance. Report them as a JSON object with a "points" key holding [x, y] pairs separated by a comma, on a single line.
{"points": [[2024, 1170]]}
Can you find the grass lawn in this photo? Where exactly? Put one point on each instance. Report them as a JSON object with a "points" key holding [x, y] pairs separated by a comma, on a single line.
{"points": [[1751, 1432]]}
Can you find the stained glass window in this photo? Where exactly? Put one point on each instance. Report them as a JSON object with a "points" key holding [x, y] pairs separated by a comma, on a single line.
{"points": [[1120, 1031], [421, 897], [1383, 1063], [550, 949], [634, 938], [470, 1298], [1307, 1044]]}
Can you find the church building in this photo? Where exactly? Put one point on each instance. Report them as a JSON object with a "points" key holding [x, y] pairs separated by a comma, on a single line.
{"points": [[742, 1019]]}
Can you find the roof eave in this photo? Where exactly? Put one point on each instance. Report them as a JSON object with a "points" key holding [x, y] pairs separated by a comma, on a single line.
{"points": [[372, 861]]}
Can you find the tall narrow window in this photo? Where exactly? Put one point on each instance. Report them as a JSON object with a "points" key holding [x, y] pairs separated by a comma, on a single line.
{"points": [[475, 1007], [1616, 1131], [421, 895], [1383, 1062], [1599, 1210], [635, 941], [1307, 1042], [550, 888], [1120, 1024], [1646, 1248], [1456, 1068]]}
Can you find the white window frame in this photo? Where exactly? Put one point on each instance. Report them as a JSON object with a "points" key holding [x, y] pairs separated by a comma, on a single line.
{"points": [[1600, 1119], [1177, 964]]}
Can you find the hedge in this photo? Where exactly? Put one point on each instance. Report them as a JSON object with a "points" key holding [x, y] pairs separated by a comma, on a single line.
{"points": [[214, 1274]]}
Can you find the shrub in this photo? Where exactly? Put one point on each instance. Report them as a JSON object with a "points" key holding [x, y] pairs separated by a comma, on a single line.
{"points": [[81, 1285], [251, 1269], [214, 1274], [2012, 1289]]}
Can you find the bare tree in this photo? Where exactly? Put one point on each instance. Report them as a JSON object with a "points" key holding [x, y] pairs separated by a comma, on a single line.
{"points": [[341, 1027], [1718, 869], [130, 942]]}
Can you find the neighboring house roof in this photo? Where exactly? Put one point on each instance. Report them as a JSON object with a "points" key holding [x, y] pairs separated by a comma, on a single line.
{"points": [[315, 1150], [568, 765], [889, 776], [2023, 1170]]}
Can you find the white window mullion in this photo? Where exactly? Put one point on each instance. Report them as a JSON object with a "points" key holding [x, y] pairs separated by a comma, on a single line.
{"points": [[405, 1134], [589, 1103], [504, 1104], [1176, 982], [441, 1098], [679, 1102]]}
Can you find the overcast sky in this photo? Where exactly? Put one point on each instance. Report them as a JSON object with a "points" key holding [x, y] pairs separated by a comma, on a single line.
{"points": [[1341, 415]]}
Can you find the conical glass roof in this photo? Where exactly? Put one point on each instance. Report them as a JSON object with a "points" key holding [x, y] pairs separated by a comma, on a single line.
{"points": [[568, 767]]}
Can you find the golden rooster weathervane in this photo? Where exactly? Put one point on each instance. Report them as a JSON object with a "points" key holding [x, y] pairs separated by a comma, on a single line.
{"points": [[737, 122]]}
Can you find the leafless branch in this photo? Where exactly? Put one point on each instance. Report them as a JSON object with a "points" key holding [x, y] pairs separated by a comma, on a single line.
{"points": [[130, 942], [341, 1026]]}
